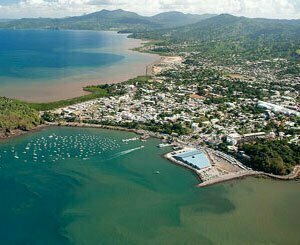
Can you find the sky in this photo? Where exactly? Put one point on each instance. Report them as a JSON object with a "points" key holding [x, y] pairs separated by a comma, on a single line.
{"points": [[282, 9]]}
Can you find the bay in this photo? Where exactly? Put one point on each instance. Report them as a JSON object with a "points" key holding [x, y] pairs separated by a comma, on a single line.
{"points": [[87, 186], [47, 65]]}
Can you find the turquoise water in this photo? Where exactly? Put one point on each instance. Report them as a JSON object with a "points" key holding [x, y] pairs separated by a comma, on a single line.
{"points": [[86, 186]]}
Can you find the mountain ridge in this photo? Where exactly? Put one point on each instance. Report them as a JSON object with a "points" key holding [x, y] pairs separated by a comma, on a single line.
{"points": [[230, 36], [119, 19]]}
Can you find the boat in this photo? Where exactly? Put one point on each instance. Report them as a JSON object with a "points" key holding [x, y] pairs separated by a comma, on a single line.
{"points": [[163, 145], [157, 172], [131, 139]]}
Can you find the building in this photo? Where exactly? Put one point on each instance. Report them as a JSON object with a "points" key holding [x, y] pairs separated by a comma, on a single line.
{"points": [[233, 138], [252, 137], [277, 108], [194, 158]]}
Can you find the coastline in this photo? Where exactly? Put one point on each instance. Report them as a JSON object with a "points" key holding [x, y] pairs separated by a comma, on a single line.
{"points": [[18, 133], [295, 174], [249, 173], [52, 90], [116, 128], [149, 70]]}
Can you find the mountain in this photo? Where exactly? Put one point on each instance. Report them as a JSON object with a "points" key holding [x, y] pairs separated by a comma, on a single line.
{"points": [[226, 35], [173, 19], [109, 20], [217, 36], [225, 26], [6, 20]]}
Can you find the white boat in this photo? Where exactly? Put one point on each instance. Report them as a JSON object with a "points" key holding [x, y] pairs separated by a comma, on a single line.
{"points": [[131, 139]]}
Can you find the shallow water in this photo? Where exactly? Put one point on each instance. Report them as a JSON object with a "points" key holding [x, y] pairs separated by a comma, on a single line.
{"points": [[87, 186], [34, 62]]}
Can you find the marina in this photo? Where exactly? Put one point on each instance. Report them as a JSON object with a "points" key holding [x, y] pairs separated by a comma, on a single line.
{"points": [[56, 148]]}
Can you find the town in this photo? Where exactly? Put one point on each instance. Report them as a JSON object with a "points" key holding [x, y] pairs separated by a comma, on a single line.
{"points": [[190, 101]]}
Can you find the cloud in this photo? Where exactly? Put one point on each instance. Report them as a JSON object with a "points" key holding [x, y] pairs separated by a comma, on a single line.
{"points": [[60, 8]]}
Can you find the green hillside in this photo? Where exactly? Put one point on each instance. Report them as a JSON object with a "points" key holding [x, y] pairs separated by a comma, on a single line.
{"points": [[226, 36], [16, 115], [109, 20]]}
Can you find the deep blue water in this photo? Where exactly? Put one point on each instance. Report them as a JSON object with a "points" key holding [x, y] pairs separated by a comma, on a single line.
{"points": [[36, 54]]}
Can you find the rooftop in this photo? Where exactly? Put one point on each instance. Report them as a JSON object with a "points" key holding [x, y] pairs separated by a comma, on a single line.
{"points": [[194, 157]]}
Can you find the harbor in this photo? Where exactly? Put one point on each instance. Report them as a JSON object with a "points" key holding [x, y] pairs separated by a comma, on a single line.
{"points": [[210, 166], [214, 167], [90, 176]]}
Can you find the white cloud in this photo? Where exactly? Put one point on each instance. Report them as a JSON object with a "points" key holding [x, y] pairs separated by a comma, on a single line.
{"points": [[61, 8]]}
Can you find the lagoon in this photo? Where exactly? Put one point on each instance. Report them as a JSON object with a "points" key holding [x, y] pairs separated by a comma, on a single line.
{"points": [[87, 186]]}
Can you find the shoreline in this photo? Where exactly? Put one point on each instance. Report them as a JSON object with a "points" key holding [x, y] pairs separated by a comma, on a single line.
{"points": [[295, 174], [18, 133], [116, 128], [55, 89], [240, 175], [149, 70]]}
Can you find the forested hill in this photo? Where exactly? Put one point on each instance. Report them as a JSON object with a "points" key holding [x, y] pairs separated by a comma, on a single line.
{"points": [[220, 37], [109, 20], [16, 115], [226, 35]]}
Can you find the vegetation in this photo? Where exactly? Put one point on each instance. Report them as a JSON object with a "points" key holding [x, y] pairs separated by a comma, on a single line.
{"points": [[227, 36], [96, 92], [277, 157], [120, 20], [17, 115], [171, 128], [139, 80]]}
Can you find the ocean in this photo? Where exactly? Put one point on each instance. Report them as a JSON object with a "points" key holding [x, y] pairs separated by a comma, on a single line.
{"points": [[47, 65], [87, 186]]}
